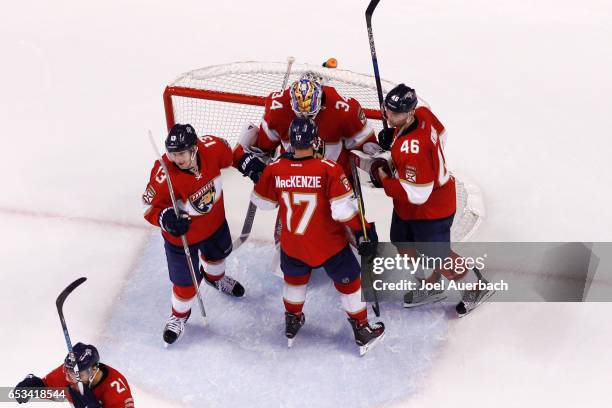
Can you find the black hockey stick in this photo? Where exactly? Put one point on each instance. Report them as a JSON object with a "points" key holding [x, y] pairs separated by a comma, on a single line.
{"points": [[192, 272], [368, 16], [359, 196], [59, 302]]}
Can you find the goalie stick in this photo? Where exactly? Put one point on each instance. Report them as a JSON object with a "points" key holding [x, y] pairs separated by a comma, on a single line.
{"points": [[59, 303], [194, 278], [247, 226], [359, 196]]}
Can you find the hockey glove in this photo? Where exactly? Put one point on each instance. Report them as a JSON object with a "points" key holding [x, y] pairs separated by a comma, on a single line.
{"points": [[88, 400], [31, 381], [377, 164], [385, 138], [173, 225], [251, 166], [367, 248]]}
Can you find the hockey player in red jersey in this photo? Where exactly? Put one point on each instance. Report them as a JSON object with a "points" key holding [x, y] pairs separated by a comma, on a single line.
{"points": [[195, 172], [316, 203], [423, 190], [341, 122], [103, 386]]}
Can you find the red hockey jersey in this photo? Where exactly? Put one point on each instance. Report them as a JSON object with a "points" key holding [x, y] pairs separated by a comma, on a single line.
{"points": [[315, 199], [201, 195], [341, 121], [422, 188], [113, 391]]}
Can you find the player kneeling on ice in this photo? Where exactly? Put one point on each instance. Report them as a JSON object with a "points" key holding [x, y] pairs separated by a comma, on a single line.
{"points": [[316, 202], [103, 386], [423, 191], [195, 167]]}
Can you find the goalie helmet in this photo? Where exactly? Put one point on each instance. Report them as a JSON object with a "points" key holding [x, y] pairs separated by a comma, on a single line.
{"points": [[401, 99], [306, 97], [181, 138], [303, 133], [312, 76]]}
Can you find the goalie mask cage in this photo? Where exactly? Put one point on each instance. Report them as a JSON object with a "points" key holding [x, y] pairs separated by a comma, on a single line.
{"points": [[221, 99]]}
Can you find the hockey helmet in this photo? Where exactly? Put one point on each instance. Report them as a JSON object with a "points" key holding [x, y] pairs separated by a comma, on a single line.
{"points": [[181, 138], [85, 355], [401, 99], [303, 133], [306, 97]]}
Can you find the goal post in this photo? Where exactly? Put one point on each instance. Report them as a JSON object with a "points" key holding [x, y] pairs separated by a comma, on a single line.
{"points": [[221, 99]]}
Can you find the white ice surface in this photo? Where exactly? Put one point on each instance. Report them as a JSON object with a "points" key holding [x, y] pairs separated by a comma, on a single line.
{"points": [[523, 88]]}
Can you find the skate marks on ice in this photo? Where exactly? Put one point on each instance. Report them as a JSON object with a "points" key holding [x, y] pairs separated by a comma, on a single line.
{"points": [[241, 357]]}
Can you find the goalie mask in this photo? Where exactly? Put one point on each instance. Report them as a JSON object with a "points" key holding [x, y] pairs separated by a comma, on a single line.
{"points": [[306, 97]]}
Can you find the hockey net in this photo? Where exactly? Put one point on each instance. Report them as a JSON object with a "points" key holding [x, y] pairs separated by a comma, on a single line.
{"points": [[222, 99]]}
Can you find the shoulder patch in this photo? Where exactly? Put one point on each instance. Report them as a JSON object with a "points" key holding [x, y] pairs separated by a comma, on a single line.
{"points": [[362, 116], [148, 195], [345, 182]]}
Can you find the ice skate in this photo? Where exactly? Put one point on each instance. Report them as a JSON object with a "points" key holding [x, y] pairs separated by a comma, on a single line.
{"points": [[293, 323], [174, 329], [420, 297], [367, 336], [227, 285], [471, 299]]}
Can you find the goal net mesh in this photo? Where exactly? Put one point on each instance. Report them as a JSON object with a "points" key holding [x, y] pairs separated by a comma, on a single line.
{"points": [[221, 99]]}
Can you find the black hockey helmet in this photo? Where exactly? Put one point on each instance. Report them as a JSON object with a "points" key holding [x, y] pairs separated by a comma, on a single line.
{"points": [[181, 138], [303, 133], [86, 356], [401, 99]]}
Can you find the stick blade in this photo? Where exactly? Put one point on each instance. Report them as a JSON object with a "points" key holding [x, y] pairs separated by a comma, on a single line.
{"points": [[62, 296]]}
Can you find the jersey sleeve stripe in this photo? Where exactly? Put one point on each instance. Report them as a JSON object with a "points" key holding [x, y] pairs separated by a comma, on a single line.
{"points": [[263, 202], [358, 138], [417, 193], [340, 197], [272, 134], [343, 209]]}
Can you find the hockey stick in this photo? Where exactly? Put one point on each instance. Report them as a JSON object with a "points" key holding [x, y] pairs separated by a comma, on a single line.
{"points": [[247, 226], [59, 303], [194, 277], [359, 196], [368, 16]]}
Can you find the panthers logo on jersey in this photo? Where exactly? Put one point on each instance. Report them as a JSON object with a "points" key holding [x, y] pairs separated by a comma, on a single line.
{"points": [[204, 199]]}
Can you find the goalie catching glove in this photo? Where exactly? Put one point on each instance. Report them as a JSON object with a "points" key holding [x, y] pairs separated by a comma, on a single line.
{"points": [[174, 225]]}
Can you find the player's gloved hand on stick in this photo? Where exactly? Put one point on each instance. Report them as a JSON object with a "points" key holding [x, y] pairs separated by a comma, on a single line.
{"points": [[251, 166], [379, 163], [367, 248], [88, 400], [31, 381], [385, 138], [174, 225]]}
